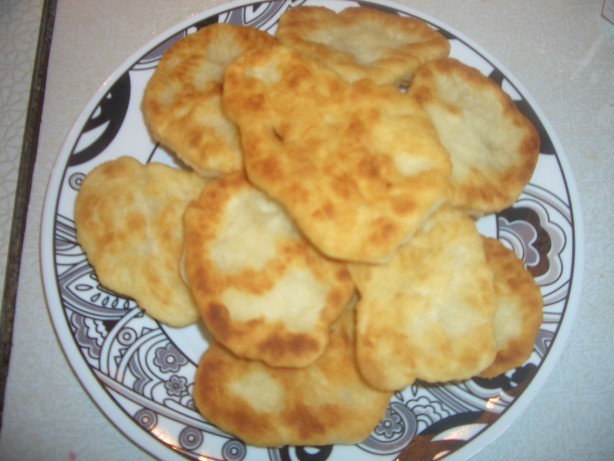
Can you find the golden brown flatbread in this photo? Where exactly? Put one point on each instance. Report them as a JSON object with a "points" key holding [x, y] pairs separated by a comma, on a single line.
{"points": [[129, 224], [361, 42], [357, 166], [182, 100], [492, 145], [263, 290], [428, 313], [327, 402], [518, 314]]}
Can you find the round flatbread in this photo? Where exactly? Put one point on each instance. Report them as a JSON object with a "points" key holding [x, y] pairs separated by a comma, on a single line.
{"points": [[361, 42], [357, 166], [324, 403], [518, 313], [129, 221], [182, 100], [263, 290], [428, 313], [492, 145]]}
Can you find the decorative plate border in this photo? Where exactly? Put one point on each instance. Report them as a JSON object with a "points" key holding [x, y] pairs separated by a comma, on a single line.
{"points": [[140, 373]]}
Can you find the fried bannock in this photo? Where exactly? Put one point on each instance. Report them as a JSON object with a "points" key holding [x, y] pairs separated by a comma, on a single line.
{"points": [[358, 166], [129, 223], [263, 290], [428, 313], [492, 145], [182, 101], [361, 42], [327, 402], [518, 314]]}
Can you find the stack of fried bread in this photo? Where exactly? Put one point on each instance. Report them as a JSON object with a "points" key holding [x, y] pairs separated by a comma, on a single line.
{"points": [[323, 228]]}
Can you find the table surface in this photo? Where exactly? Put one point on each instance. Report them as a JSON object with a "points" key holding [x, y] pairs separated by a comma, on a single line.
{"points": [[561, 51]]}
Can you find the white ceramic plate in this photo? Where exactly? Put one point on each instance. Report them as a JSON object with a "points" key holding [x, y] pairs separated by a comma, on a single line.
{"points": [[141, 373]]}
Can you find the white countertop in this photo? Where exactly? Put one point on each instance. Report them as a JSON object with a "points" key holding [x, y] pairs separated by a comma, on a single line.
{"points": [[561, 51]]}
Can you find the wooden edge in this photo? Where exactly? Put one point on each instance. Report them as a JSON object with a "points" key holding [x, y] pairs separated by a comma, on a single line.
{"points": [[23, 189]]}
